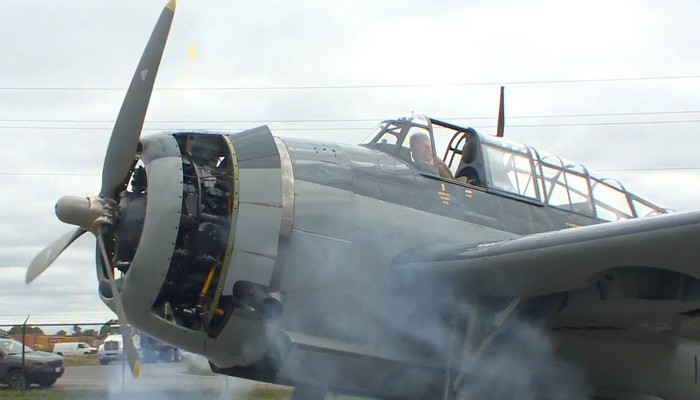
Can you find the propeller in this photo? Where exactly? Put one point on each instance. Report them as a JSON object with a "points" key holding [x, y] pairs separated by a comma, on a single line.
{"points": [[132, 356], [98, 214], [45, 257], [127, 129]]}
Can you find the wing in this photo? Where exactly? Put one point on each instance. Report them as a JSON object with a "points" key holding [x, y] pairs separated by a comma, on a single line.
{"points": [[642, 273]]}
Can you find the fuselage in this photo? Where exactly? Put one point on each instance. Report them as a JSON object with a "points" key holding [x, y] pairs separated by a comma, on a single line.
{"points": [[273, 257]]}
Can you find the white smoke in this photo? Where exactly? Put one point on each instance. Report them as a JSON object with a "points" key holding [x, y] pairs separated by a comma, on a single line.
{"points": [[157, 381], [519, 364]]}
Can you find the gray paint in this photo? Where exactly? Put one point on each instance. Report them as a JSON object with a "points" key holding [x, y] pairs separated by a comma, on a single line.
{"points": [[342, 215], [164, 171], [351, 252], [256, 148], [564, 260], [375, 174], [632, 369], [287, 222], [152, 259]]}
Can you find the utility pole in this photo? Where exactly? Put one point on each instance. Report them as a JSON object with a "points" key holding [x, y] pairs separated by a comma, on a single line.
{"points": [[24, 339]]}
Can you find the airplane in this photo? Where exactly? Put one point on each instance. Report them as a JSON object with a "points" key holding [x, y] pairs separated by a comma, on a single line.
{"points": [[360, 269]]}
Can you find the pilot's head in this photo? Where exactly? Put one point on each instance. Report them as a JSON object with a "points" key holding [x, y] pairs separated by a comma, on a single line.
{"points": [[420, 147]]}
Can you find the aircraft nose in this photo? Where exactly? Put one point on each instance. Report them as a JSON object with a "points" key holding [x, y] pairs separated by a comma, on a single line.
{"points": [[141, 242], [210, 244], [231, 215]]}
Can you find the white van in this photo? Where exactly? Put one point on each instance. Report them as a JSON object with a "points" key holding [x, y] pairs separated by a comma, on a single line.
{"points": [[73, 349]]}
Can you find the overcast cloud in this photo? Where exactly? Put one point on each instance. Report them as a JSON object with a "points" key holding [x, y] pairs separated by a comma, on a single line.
{"points": [[219, 44]]}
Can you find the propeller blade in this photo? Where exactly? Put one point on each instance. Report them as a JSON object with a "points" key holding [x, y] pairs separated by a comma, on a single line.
{"points": [[132, 356], [127, 129], [47, 256]]}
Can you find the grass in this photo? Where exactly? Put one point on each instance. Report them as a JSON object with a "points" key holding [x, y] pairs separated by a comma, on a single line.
{"points": [[10, 394], [268, 393], [262, 392], [74, 361]]}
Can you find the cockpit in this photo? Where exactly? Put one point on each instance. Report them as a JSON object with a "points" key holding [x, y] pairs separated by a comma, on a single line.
{"points": [[506, 167]]}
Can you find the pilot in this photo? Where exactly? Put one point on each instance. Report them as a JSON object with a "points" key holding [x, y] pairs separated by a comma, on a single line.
{"points": [[422, 153]]}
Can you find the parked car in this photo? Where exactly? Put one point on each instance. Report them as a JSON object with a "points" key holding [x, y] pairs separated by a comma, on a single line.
{"points": [[73, 349], [41, 367]]}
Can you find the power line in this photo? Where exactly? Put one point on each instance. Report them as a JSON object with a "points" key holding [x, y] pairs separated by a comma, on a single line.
{"points": [[603, 123], [29, 324], [353, 87], [367, 128], [648, 169], [251, 121], [47, 174], [52, 174], [619, 114], [351, 120], [183, 129]]}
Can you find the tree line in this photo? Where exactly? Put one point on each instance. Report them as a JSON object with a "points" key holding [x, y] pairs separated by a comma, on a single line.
{"points": [[77, 330]]}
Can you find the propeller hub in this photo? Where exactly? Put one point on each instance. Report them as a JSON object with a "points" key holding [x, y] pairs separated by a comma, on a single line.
{"points": [[86, 212]]}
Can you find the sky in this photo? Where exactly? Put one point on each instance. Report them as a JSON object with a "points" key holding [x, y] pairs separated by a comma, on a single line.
{"points": [[611, 85]]}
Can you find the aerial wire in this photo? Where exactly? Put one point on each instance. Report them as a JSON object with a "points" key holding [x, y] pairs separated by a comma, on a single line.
{"points": [[71, 174], [366, 128], [349, 120], [359, 86]]}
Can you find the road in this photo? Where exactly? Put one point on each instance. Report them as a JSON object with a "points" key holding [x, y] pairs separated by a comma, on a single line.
{"points": [[156, 381]]}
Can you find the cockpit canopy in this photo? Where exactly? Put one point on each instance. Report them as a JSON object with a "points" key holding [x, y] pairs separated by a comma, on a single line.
{"points": [[409, 139], [507, 167]]}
